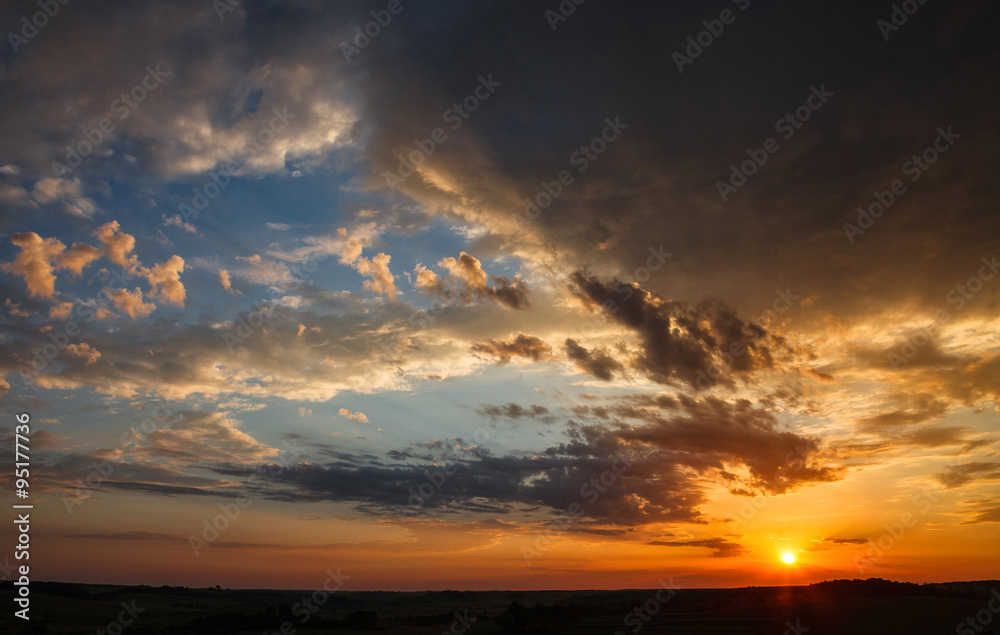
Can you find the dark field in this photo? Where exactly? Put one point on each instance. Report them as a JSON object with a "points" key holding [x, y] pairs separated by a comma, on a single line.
{"points": [[856, 607]]}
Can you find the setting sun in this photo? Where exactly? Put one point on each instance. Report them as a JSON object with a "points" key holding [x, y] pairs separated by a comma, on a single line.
{"points": [[788, 558]]}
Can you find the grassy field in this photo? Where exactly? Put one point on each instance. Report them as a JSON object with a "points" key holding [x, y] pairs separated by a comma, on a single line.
{"points": [[847, 608]]}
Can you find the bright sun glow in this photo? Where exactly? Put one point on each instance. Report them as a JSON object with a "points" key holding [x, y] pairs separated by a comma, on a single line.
{"points": [[788, 558]]}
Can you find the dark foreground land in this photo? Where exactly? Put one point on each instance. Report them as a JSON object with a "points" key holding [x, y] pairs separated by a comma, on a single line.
{"points": [[856, 607]]}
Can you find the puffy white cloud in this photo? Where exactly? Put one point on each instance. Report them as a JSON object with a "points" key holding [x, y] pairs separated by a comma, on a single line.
{"points": [[165, 280], [77, 257], [34, 263], [118, 246], [177, 221], [84, 351], [40, 257], [131, 302], [377, 268], [226, 281], [61, 310], [353, 416]]}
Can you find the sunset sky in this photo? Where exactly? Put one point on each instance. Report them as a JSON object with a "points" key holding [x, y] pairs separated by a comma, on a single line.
{"points": [[483, 295]]}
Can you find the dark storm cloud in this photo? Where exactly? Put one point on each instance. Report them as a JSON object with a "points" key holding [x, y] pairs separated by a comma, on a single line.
{"points": [[656, 185], [823, 545], [621, 474], [972, 472], [973, 445], [978, 381], [928, 436], [921, 408], [933, 437], [986, 515], [80, 475], [514, 411], [680, 344], [468, 282], [596, 362], [156, 488], [714, 431], [511, 293], [929, 355], [721, 547], [968, 379], [130, 535], [526, 346], [499, 484]]}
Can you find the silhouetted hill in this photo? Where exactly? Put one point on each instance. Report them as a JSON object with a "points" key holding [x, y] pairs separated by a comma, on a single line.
{"points": [[859, 607]]}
